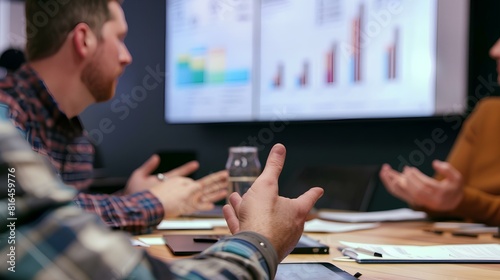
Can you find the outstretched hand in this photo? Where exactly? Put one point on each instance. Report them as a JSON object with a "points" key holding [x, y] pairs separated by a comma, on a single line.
{"points": [[141, 179], [420, 190], [262, 210], [182, 195]]}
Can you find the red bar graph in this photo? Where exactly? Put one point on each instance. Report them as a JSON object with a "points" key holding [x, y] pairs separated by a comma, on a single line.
{"points": [[303, 79], [392, 55], [356, 43], [331, 70], [278, 77]]}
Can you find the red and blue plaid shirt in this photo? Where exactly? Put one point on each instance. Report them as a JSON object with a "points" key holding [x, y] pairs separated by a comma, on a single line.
{"points": [[25, 99], [57, 241]]}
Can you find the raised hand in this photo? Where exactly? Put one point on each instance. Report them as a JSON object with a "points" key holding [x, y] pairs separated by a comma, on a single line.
{"points": [[262, 210]]}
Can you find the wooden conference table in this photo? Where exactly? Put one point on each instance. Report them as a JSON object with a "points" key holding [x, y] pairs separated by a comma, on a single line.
{"points": [[402, 233]]}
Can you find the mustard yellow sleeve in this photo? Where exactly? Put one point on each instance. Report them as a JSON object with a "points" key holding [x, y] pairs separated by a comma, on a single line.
{"points": [[477, 205], [462, 151]]}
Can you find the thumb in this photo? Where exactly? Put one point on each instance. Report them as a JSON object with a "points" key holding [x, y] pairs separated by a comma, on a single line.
{"points": [[149, 165], [309, 198], [446, 170]]}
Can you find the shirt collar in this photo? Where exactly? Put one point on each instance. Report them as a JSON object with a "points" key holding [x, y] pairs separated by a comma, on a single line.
{"points": [[37, 85]]}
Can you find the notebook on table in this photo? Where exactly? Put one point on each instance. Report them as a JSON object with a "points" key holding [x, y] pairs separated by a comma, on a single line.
{"points": [[461, 253], [188, 244]]}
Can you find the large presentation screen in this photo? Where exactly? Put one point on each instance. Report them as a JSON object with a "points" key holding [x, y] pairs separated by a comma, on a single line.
{"points": [[12, 25], [4, 25], [248, 60]]}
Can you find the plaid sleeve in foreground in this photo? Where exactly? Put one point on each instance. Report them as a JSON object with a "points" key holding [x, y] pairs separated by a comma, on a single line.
{"points": [[137, 213], [54, 239], [246, 255], [43, 235]]}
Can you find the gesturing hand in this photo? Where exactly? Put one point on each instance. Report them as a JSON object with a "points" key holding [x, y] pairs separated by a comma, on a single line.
{"points": [[418, 189], [181, 195], [141, 179], [262, 210]]}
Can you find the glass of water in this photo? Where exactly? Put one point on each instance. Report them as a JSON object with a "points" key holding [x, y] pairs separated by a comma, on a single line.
{"points": [[244, 167]]}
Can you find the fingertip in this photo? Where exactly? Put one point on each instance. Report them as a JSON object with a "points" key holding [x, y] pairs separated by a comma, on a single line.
{"points": [[150, 164], [319, 190], [227, 209], [279, 149], [223, 173], [194, 163], [234, 199], [275, 162], [206, 205], [383, 169], [316, 190], [231, 218], [439, 163], [312, 195], [447, 169]]}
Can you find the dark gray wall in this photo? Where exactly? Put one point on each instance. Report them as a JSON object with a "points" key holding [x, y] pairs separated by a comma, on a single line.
{"points": [[128, 131]]}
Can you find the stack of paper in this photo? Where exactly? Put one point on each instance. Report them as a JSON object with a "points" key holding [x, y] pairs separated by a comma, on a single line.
{"points": [[317, 225], [191, 224], [403, 214], [464, 253]]}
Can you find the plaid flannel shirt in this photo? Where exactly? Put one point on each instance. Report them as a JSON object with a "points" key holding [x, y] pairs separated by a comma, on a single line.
{"points": [[44, 236], [25, 99]]}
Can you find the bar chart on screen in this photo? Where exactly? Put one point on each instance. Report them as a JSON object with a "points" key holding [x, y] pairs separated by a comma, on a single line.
{"points": [[211, 59], [347, 58], [252, 60]]}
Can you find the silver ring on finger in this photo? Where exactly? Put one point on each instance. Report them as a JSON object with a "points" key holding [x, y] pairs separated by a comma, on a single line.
{"points": [[161, 177]]}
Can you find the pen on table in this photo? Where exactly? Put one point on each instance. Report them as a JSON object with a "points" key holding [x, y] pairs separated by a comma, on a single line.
{"points": [[436, 231], [466, 234], [360, 250], [368, 252]]}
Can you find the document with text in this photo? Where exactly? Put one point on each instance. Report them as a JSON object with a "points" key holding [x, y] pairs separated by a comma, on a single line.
{"points": [[381, 253]]}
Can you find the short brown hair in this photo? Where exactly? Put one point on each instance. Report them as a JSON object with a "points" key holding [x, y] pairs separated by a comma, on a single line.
{"points": [[48, 22]]}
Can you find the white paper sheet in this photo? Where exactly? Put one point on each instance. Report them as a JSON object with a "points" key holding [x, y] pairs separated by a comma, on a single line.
{"points": [[152, 240], [191, 224], [402, 214], [136, 242], [462, 252], [318, 225]]}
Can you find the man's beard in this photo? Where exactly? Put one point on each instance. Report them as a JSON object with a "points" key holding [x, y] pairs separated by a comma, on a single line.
{"points": [[101, 85]]}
